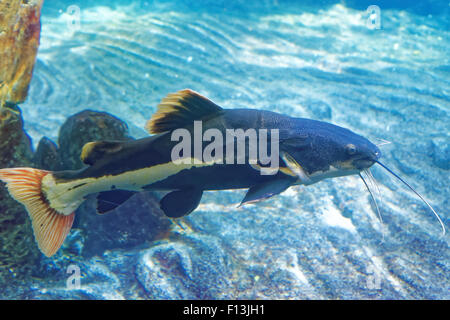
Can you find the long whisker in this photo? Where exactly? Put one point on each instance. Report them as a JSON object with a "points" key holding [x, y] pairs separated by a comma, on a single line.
{"points": [[373, 198], [418, 194], [374, 182]]}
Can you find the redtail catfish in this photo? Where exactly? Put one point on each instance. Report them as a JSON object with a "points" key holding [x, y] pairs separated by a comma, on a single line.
{"points": [[192, 149]]}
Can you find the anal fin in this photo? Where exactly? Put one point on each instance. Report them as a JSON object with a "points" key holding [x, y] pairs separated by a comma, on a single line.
{"points": [[179, 203], [109, 200]]}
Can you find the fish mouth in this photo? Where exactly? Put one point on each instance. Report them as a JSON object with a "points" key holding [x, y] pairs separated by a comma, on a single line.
{"points": [[359, 164], [367, 161], [362, 164]]}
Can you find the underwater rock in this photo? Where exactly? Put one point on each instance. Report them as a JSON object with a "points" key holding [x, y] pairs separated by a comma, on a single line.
{"points": [[17, 249], [19, 41], [46, 156], [78, 130], [84, 127], [20, 30], [15, 144], [192, 267], [134, 224]]}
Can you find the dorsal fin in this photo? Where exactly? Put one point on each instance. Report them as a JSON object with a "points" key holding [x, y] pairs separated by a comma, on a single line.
{"points": [[179, 109], [93, 151]]}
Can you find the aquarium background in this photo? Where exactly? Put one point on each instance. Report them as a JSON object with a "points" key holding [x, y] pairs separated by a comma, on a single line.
{"points": [[313, 59]]}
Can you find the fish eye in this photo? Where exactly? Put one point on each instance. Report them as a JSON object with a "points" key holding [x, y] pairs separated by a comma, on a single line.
{"points": [[351, 149]]}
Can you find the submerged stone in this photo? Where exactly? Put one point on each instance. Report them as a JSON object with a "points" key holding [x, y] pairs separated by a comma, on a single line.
{"points": [[84, 127], [136, 223], [190, 267], [46, 156], [17, 249], [19, 41], [20, 30]]}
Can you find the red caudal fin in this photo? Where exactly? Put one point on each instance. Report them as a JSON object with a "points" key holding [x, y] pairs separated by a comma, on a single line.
{"points": [[49, 226]]}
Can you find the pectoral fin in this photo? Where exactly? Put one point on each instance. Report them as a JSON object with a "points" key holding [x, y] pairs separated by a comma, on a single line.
{"points": [[181, 202], [266, 190], [295, 167]]}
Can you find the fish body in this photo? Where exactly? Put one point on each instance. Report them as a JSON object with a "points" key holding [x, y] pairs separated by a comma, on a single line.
{"points": [[196, 146], [150, 158]]}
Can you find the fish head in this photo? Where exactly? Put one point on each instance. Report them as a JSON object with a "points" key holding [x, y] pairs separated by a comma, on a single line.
{"points": [[323, 150], [354, 152]]}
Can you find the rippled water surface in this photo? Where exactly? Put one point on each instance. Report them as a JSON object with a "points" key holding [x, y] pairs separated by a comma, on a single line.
{"points": [[320, 241]]}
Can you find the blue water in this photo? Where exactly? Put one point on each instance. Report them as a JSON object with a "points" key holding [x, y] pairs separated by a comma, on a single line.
{"points": [[313, 59]]}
